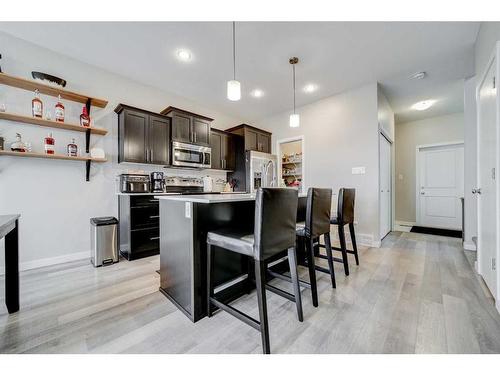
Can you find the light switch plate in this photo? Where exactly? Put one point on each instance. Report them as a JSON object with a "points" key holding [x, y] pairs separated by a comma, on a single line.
{"points": [[187, 210], [358, 170]]}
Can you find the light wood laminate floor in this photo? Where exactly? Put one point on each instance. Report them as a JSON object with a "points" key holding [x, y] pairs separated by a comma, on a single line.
{"points": [[416, 294]]}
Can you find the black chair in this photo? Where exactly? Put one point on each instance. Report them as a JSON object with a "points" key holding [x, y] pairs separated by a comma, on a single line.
{"points": [[345, 216], [317, 224], [274, 233]]}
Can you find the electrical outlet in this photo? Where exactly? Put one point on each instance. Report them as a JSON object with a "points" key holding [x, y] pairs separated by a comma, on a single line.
{"points": [[187, 210], [493, 264], [358, 170]]}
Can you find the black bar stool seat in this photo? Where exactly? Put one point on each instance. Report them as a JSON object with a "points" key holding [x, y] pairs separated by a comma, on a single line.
{"points": [[239, 242], [317, 224], [274, 234], [345, 216]]}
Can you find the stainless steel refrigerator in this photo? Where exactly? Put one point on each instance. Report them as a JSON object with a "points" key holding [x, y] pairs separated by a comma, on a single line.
{"points": [[254, 170]]}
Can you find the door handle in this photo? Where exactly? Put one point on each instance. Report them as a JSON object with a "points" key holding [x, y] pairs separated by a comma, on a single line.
{"points": [[151, 155], [476, 191], [422, 193]]}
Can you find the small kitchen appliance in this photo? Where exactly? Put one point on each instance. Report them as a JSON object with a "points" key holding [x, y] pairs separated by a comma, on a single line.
{"points": [[157, 182], [189, 155], [134, 183]]}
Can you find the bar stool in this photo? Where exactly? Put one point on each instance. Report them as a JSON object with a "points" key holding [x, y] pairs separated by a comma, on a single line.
{"points": [[274, 233], [317, 224], [345, 216]]}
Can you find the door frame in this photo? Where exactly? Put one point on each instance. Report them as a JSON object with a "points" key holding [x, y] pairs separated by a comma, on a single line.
{"points": [[391, 172], [494, 58], [417, 171], [303, 143]]}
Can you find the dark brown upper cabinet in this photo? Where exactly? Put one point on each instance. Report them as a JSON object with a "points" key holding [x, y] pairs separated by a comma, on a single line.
{"points": [[189, 127], [143, 136], [255, 139], [223, 152]]}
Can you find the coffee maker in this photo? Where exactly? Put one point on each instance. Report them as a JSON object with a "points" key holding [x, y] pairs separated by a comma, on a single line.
{"points": [[157, 182]]}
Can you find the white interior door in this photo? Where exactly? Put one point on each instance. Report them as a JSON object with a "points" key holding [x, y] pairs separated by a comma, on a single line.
{"points": [[441, 185], [487, 200], [385, 187]]}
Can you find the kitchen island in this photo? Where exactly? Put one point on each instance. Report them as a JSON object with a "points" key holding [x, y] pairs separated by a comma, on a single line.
{"points": [[184, 223]]}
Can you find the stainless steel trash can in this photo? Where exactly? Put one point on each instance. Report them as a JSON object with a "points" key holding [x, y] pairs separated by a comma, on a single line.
{"points": [[103, 241]]}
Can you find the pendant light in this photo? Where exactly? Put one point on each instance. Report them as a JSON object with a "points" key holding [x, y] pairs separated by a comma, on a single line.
{"points": [[294, 117], [233, 86]]}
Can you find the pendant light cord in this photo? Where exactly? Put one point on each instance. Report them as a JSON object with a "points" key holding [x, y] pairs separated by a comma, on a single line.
{"points": [[234, 50]]}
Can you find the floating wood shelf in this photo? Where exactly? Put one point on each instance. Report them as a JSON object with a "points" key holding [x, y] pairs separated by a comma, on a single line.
{"points": [[51, 156], [86, 159], [50, 123], [32, 85]]}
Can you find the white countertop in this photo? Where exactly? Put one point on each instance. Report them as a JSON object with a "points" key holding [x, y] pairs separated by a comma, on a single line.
{"points": [[212, 198], [148, 193]]}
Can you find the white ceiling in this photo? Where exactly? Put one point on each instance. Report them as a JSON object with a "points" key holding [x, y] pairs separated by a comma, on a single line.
{"points": [[335, 55]]}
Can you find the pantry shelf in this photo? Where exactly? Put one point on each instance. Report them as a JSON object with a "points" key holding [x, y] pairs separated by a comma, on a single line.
{"points": [[50, 123], [32, 85], [87, 160]]}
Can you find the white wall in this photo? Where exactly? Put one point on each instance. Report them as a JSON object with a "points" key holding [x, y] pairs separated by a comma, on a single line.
{"points": [[489, 34], [409, 135], [340, 132], [52, 196], [470, 166]]}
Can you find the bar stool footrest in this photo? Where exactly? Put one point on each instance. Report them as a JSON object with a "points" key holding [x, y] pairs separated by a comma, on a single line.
{"points": [[280, 276], [280, 292], [237, 314]]}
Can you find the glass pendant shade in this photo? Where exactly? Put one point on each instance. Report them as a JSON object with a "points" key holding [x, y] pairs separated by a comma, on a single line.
{"points": [[294, 120], [233, 90]]}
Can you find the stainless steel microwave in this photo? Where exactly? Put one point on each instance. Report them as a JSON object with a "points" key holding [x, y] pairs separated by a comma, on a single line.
{"points": [[189, 155]]}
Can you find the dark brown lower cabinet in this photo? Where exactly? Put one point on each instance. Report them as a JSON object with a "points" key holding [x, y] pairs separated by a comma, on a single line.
{"points": [[139, 226]]}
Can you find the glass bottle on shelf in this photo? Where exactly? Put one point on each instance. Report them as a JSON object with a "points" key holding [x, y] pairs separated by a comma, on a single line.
{"points": [[59, 110], [18, 145], [72, 148], [85, 118], [49, 144], [37, 105]]}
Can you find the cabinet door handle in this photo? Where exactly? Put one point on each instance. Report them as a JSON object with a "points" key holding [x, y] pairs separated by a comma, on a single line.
{"points": [[194, 135], [151, 155], [154, 238], [154, 216]]}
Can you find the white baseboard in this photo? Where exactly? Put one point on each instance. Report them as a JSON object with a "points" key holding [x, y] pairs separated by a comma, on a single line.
{"points": [[361, 239], [44, 262], [470, 246]]}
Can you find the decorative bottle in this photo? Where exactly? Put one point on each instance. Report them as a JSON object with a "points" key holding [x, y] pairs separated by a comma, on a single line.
{"points": [[72, 148], [59, 111], [49, 143], [37, 105], [84, 118]]}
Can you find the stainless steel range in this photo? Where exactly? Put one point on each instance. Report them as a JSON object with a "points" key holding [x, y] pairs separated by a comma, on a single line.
{"points": [[183, 185]]}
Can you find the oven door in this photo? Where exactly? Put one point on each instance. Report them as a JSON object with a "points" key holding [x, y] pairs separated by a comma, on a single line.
{"points": [[187, 155]]}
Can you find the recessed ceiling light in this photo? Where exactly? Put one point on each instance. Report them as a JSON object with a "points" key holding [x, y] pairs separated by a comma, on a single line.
{"points": [[423, 105], [257, 93], [311, 87], [184, 55], [418, 75]]}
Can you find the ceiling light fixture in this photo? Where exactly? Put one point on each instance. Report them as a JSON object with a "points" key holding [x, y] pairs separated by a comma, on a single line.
{"points": [[294, 117], [310, 88], [184, 55], [423, 105], [257, 93], [234, 86]]}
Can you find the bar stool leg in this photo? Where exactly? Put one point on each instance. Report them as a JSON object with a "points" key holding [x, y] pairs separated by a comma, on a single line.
{"points": [[343, 247], [210, 258], [328, 247], [260, 281], [353, 239], [292, 261], [312, 270]]}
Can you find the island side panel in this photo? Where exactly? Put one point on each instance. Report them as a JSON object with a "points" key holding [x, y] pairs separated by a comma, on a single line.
{"points": [[176, 254]]}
